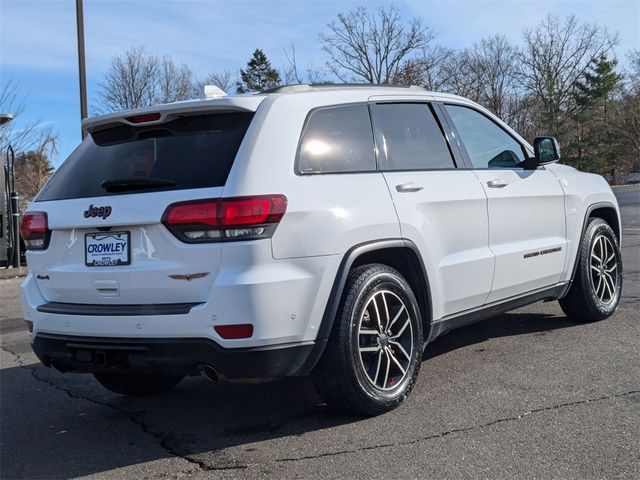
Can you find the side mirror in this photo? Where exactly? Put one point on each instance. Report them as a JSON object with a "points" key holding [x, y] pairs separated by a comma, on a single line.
{"points": [[546, 150]]}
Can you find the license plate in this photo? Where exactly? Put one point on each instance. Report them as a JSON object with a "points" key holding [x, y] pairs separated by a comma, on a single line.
{"points": [[107, 249]]}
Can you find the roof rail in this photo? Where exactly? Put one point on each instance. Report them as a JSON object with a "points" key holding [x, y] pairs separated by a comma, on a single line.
{"points": [[305, 87], [298, 87]]}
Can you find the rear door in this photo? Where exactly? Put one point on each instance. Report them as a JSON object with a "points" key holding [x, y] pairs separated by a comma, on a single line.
{"points": [[105, 204], [526, 207], [441, 208]]}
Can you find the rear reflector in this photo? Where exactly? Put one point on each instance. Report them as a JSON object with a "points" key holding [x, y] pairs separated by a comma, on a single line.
{"points": [[146, 117], [35, 230], [29, 325], [214, 220], [233, 332]]}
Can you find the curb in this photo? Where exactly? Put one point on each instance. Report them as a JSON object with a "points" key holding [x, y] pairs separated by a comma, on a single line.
{"points": [[6, 273]]}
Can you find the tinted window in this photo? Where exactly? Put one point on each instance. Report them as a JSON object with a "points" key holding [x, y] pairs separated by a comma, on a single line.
{"points": [[337, 139], [409, 138], [189, 152], [488, 145]]}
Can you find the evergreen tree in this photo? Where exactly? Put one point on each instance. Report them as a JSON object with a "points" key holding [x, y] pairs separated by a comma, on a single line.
{"points": [[594, 97], [599, 85], [259, 74]]}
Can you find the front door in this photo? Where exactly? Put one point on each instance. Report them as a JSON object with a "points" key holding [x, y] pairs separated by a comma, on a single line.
{"points": [[527, 231]]}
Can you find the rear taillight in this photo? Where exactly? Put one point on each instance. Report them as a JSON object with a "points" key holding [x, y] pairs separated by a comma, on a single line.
{"points": [[216, 220], [35, 230]]}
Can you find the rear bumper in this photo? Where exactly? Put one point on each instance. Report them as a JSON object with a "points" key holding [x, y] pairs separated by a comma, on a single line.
{"points": [[284, 300], [179, 355]]}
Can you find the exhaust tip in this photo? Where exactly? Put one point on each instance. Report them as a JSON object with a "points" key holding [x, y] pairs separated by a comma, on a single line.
{"points": [[209, 372]]}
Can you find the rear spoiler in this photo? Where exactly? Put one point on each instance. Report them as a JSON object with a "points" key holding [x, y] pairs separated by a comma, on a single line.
{"points": [[159, 114]]}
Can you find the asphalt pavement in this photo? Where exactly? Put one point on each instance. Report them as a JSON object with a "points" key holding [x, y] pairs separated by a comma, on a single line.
{"points": [[528, 394]]}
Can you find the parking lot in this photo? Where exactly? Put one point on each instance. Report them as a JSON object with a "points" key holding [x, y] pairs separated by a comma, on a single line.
{"points": [[528, 394]]}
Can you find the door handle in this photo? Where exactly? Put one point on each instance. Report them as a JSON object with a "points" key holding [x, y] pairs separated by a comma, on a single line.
{"points": [[497, 183], [408, 187]]}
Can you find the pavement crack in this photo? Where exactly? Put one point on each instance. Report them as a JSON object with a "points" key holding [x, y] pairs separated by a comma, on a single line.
{"points": [[131, 416], [203, 465], [559, 406], [462, 429]]}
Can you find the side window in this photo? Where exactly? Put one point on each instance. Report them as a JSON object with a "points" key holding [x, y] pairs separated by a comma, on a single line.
{"points": [[409, 137], [488, 145], [337, 139]]}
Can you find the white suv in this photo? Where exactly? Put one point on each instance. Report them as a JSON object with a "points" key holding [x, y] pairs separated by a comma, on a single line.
{"points": [[324, 230]]}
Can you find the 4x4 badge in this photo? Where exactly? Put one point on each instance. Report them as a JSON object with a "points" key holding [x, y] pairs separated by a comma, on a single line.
{"points": [[102, 212]]}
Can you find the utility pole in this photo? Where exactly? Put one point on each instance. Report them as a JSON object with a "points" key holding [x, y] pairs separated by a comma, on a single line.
{"points": [[8, 205], [14, 208], [81, 63]]}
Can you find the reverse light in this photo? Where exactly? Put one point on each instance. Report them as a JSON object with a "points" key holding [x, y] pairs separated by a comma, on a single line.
{"points": [[215, 220], [34, 230], [234, 332]]}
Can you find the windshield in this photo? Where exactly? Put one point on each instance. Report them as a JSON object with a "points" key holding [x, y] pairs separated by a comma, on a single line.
{"points": [[188, 152]]}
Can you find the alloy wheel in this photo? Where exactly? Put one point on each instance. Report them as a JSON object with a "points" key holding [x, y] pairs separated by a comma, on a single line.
{"points": [[603, 269], [385, 340]]}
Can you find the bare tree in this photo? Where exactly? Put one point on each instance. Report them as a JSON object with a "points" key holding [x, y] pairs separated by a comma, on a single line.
{"points": [[291, 74], [130, 81], [633, 71], [487, 72], [22, 135], [32, 170], [627, 116], [138, 79], [427, 69], [411, 73], [433, 60], [12, 102], [224, 80], [555, 55], [174, 82], [32, 141], [492, 63], [371, 46], [457, 69]]}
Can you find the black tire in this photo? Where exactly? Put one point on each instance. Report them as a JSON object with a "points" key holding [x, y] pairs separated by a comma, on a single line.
{"points": [[343, 376], [589, 299], [137, 384]]}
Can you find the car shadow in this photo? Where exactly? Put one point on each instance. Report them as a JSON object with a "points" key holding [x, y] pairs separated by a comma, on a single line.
{"points": [[505, 325], [215, 425]]}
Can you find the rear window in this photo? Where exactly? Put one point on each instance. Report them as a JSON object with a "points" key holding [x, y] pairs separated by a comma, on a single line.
{"points": [[188, 152], [337, 139], [410, 138]]}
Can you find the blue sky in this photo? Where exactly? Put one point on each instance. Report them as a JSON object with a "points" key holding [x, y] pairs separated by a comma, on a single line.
{"points": [[38, 38]]}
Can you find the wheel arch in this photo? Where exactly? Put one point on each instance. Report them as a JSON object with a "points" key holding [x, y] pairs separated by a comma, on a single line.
{"points": [[398, 253], [608, 212]]}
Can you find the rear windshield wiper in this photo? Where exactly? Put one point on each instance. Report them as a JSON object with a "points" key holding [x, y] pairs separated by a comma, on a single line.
{"points": [[125, 184]]}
